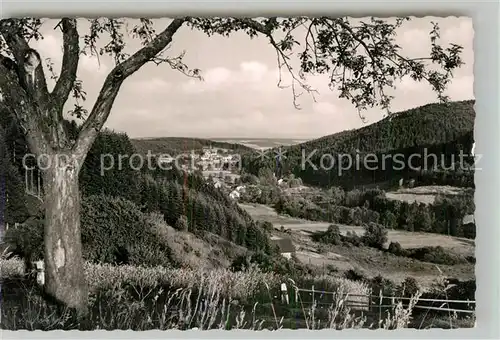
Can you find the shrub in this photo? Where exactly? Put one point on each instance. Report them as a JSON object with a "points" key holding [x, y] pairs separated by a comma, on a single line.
{"points": [[295, 182], [380, 283], [354, 275], [332, 235], [382, 286], [267, 226], [396, 249], [113, 231], [352, 239], [274, 263], [182, 223], [26, 241], [375, 236], [249, 179], [437, 255], [409, 287]]}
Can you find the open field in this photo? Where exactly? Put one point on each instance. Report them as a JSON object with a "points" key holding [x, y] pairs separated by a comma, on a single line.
{"points": [[405, 238], [369, 261], [423, 194]]}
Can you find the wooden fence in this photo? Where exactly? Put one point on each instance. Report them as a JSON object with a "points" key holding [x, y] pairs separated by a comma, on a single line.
{"points": [[362, 302]]}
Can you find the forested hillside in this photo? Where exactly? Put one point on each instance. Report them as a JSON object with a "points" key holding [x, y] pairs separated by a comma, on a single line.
{"points": [[177, 145], [184, 201], [440, 129]]}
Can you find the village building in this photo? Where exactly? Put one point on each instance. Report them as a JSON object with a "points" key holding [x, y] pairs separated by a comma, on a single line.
{"points": [[285, 245], [234, 195], [469, 226], [165, 159]]}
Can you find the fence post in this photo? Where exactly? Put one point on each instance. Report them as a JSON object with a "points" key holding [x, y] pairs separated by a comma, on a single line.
{"points": [[312, 294], [380, 307], [40, 272], [284, 294]]}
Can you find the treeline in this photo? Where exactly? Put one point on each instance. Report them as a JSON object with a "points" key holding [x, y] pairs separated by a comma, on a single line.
{"points": [[178, 145], [443, 130], [362, 206], [359, 207]]}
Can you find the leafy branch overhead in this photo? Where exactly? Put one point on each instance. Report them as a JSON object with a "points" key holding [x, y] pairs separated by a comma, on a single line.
{"points": [[361, 59]]}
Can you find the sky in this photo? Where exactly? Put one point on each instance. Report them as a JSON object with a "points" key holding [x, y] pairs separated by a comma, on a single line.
{"points": [[239, 96]]}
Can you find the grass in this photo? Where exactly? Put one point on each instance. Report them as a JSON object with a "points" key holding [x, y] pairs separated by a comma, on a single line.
{"points": [[371, 261], [126, 297]]}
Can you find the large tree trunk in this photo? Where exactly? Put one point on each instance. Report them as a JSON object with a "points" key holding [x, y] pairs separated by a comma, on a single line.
{"points": [[65, 280]]}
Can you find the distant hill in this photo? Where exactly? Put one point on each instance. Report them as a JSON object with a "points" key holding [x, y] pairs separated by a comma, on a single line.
{"points": [[177, 145], [430, 124], [263, 143], [440, 129]]}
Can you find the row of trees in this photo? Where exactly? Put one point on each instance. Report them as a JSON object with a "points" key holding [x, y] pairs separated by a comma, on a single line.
{"points": [[361, 206], [375, 236], [444, 216]]}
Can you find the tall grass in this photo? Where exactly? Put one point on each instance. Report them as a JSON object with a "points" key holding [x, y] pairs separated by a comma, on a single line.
{"points": [[136, 298]]}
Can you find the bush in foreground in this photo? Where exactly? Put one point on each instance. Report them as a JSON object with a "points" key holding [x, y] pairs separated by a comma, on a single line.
{"points": [[114, 230]]}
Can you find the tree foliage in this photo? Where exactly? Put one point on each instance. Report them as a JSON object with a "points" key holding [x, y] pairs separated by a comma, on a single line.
{"points": [[114, 231], [108, 168], [13, 208]]}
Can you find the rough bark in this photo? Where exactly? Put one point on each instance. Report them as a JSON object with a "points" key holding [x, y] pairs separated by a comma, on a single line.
{"points": [[64, 273]]}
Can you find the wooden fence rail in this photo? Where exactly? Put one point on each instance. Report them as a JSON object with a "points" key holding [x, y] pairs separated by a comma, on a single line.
{"points": [[366, 302]]}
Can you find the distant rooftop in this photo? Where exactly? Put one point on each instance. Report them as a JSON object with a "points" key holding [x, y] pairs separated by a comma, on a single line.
{"points": [[285, 244], [468, 219]]}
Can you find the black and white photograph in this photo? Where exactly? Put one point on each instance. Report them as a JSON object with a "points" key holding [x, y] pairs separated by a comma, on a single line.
{"points": [[237, 173]]}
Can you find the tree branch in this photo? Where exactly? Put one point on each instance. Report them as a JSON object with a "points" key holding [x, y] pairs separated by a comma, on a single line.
{"points": [[23, 54], [17, 101], [112, 84], [69, 66], [281, 57]]}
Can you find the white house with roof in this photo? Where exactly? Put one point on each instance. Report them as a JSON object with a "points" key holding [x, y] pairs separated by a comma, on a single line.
{"points": [[285, 245], [468, 219], [164, 159], [234, 195]]}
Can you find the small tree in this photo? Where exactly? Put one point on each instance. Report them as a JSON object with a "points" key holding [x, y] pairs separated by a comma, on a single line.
{"points": [[182, 223], [395, 248], [389, 220], [375, 236], [409, 287], [332, 235]]}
